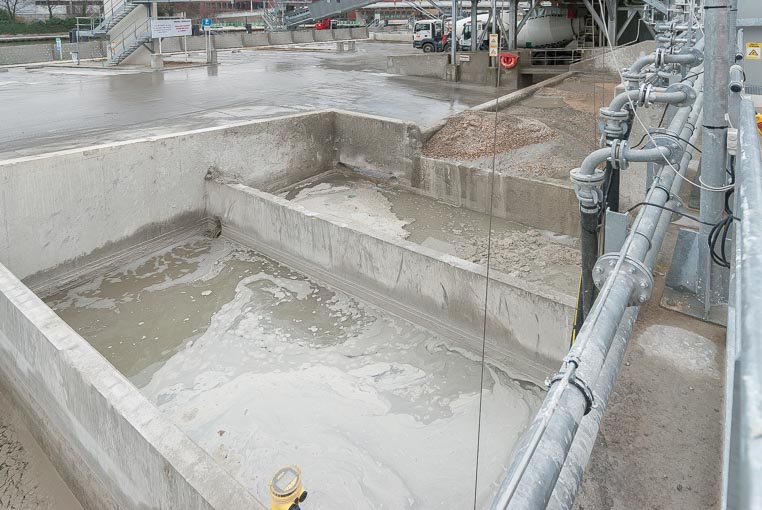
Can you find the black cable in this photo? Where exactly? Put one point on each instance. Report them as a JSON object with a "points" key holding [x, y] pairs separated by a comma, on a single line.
{"points": [[649, 204]]}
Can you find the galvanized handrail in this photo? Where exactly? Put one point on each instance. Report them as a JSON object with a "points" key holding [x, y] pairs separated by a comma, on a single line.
{"points": [[130, 35], [743, 470]]}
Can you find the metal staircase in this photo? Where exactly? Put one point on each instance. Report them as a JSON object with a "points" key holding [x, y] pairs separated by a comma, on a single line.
{"points": [[114, 18], [128, 40], [276, 18]]}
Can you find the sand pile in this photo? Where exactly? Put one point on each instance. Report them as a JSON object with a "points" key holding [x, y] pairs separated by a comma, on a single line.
{"points": [[470, 135]]}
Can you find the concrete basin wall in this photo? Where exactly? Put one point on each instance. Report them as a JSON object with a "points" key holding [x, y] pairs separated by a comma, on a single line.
{"points": [[65, 209], [393, 147], [528, 325], [540, 204], [432, 65], [111, 445], [378, 143]]}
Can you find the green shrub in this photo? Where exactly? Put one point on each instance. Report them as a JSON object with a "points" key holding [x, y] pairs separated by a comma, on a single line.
{"points": [[51, 26]]}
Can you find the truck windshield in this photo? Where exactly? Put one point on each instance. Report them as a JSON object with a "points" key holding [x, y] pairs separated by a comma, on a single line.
{"points": [[420, 27]]}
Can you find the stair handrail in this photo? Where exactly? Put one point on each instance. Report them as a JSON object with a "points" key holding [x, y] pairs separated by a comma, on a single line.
{"points": [[132, 33]]}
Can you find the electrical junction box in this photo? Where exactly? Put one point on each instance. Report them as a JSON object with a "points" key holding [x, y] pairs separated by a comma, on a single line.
{"points": [[750, 20]]}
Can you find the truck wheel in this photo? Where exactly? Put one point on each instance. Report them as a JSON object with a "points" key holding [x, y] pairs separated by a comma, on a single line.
{"points": [[428, 48], [447, 47]]}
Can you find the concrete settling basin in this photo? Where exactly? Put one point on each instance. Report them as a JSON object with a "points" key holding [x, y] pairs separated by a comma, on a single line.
{"points": [[182, 315]]}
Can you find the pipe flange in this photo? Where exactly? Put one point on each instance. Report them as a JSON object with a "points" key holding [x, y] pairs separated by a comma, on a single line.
{"points": [[645, 94], [690, 93], [690, 50], [659, 54], [644, 281], [581, 385], [588, 187], [618, 148], [615, 122], [663, 138], [632, 80]]}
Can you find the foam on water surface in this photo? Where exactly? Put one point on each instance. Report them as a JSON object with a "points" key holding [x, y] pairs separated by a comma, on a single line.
{"points": [[262, 366]]}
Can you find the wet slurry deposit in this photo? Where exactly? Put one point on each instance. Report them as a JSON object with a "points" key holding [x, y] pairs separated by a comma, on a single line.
{"points": [[262, 366], [533, 255]]}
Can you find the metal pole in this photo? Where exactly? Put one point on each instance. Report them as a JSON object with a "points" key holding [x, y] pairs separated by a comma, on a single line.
{"points": [[454, 34], [513, 22], [493, 60], [474, 34], [714, 144]]}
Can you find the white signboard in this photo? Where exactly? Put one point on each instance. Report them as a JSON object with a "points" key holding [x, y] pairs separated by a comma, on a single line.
{"points": [[170, 28]]}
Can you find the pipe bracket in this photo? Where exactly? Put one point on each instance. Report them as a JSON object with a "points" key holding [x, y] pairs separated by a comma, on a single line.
{"points": [[644, 281], [690, 93], [578, 383]]}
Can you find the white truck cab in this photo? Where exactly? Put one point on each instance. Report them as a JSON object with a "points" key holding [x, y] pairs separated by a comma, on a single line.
{"points": [[427, 35]]}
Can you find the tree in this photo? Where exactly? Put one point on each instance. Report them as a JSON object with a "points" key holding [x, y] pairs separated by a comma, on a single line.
{"points": [[11, 6], [49, 4]]}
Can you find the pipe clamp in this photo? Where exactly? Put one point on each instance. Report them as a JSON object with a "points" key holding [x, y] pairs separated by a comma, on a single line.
{"points": [[581, 385]]}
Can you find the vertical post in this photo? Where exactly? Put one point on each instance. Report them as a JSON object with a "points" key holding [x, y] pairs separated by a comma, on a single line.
{"points": [[714, 143], [493, 60], [454, 33], [513, 22], [473, 25], [77, 42]]}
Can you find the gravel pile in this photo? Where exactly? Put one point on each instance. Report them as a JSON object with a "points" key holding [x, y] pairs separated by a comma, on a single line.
{"points": [[470, 135]]}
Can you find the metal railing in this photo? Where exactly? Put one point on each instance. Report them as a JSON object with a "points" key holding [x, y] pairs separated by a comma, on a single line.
{"points": [[743, 421], [129, 39]]}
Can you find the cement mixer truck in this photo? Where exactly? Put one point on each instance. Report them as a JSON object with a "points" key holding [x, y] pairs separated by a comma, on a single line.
{"points": [[548, 27]]}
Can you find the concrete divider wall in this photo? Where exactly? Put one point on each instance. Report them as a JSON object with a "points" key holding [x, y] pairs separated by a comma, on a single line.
{"points": [[30, 53], [529, 325], [281, 37], [230, 40], [303, 36], [65, 209], [540, 204], [378, 143], [432, 65], [255, 39], [392, 37], [114, 449], [341, 34], [324, 35], [197, 43], [171, 45], [359, 32]]}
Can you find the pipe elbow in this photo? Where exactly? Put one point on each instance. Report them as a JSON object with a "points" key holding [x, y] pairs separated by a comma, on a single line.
{"points": [[595, 158]]}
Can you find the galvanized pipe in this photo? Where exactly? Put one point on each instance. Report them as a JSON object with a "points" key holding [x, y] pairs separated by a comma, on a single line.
{"points": [[549, 438]]}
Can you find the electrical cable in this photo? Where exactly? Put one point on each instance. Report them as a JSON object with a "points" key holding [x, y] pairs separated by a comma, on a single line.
{"points": [[486, 287]]}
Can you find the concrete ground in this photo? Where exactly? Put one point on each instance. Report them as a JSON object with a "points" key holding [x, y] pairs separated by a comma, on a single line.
{"points": [[54, 107], [28, 481], [660, 443]]}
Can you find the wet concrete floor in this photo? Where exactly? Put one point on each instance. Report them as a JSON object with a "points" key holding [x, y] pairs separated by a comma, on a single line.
{"points": [[54, 108], [530, 254], [262, 366]]}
